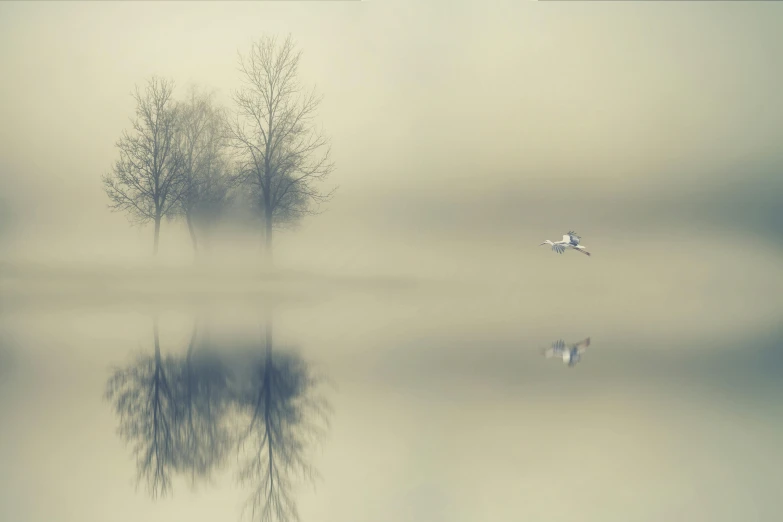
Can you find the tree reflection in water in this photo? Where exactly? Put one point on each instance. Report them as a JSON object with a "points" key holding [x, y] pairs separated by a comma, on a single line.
{"points": [[186, 415], [286, 418], [144, 397], [204, 388]]}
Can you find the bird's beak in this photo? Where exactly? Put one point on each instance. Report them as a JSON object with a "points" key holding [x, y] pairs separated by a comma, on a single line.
{"points": [[544, 243]]}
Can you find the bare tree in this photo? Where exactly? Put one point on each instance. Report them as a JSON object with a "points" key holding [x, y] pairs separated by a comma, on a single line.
{"points": [[286, 417], [282, 156], [145, 181], [214, 200], [204, 164]]}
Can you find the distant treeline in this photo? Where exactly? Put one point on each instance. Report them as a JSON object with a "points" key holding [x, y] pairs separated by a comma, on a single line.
{"points": [[259, 161]]}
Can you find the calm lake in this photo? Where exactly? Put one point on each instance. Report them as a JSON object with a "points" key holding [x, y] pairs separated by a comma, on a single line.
{"points": [[381, 402]]}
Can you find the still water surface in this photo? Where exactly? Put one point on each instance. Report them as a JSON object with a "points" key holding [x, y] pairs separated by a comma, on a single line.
{"points": [[380, 406]]}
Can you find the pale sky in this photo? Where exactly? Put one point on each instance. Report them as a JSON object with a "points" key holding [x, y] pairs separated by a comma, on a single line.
{"points": [[448, 119]]}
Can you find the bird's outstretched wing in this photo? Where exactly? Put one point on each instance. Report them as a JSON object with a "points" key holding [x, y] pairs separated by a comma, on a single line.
{"points": [[572, 238], [558, 248], [581, 346], [556, 350]]}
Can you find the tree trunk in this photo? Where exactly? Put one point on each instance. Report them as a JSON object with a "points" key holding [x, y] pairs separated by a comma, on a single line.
{"points": [[157, 236], [268, 241], [192, 231], [207, 236], [192, 343], [268, 333], [157, 339]]}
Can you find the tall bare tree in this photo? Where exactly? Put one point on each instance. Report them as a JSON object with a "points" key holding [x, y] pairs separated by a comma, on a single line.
{"points": [[204, 163], [282, 155], [146, 180]]}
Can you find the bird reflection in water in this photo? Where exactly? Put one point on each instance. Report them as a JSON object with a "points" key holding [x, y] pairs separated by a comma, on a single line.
{"points": [[570, 354], [186, 415]]}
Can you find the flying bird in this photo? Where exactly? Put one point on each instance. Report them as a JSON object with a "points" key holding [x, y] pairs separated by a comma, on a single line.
{"points": [[571, 355], [570, 240]]}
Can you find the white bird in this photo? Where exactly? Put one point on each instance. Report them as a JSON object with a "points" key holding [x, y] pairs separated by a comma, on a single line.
{"points": [[570, 355], [570, 240]]}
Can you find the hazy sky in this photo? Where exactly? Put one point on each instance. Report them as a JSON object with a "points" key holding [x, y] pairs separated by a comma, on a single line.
{"points": [[447, 119]]}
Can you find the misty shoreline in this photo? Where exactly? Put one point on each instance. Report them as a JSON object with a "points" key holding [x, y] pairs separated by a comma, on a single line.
{"points": [[34, 285]]}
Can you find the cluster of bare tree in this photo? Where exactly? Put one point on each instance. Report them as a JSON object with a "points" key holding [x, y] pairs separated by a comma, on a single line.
{"points": [[192, 159], [187, 415]]}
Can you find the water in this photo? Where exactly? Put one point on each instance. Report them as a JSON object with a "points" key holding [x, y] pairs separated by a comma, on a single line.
{"points": [[403, 403]]}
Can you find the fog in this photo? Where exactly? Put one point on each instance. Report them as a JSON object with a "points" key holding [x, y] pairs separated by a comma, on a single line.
{"points": [[463, 135], [459, 146], [493, 125]]}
